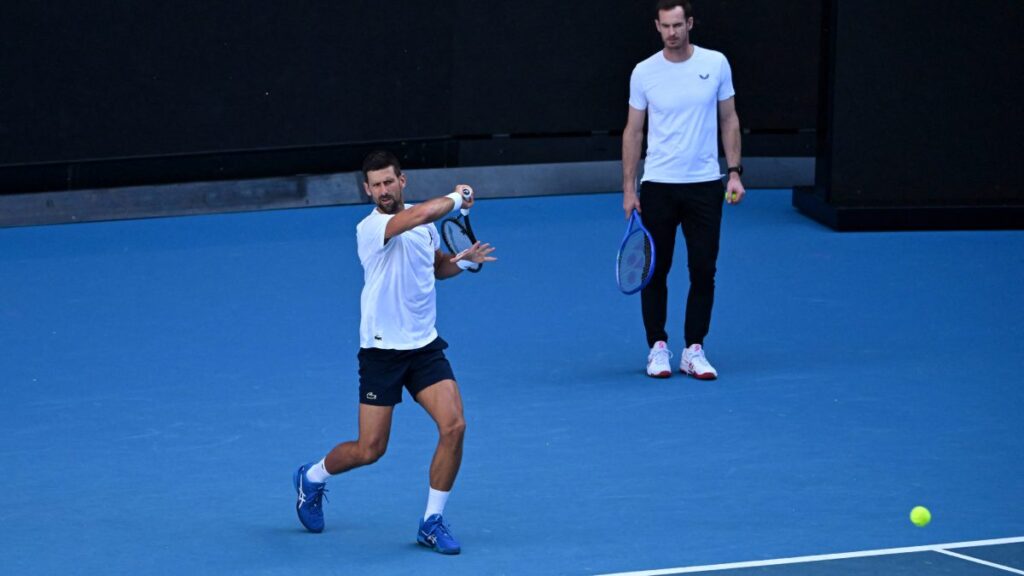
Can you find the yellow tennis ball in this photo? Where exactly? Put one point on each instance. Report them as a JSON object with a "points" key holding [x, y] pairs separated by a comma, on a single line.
{"points": [[920, 516]]}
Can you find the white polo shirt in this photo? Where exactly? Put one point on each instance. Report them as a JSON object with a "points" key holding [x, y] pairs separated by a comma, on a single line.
{"points": [[681, 99], [399, 304]]}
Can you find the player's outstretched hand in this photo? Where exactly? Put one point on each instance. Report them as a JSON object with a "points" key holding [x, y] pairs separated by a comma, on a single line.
{"points": [[479, 252]]}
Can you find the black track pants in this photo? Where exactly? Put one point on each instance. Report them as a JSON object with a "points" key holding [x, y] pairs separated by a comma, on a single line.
{"points": [[698, 209]]}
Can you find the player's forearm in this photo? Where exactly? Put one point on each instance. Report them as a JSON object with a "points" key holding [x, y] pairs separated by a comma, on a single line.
{"points": [[444, 268], [631, 144], [428, 211], [443, 265], [731, 141], [423, 213], [434, 209]]}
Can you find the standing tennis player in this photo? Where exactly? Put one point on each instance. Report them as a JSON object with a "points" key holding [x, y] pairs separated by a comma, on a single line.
{"points": [[400, 252], [686, 94]]}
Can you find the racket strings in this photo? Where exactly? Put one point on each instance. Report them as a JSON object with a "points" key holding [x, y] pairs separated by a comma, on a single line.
{"points": [[456, 238], [635, 261]]}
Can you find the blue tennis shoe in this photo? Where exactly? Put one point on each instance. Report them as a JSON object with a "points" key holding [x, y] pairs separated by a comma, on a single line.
{"points": [[310, 505], [434, 534]]}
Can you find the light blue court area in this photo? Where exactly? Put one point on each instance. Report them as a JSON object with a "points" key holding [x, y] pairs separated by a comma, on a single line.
{"points": [[160, 380]]}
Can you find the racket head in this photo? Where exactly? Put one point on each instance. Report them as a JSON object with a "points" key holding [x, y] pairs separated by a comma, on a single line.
{"points": [[458, 236], [634, 265]]}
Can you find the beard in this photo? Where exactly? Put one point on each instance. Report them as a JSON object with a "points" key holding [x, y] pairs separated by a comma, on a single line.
{"points": [[391, 208]]}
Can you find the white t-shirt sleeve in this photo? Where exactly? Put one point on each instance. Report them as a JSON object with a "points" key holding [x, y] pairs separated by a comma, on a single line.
{"points": [[637, 97], [725, 89]]}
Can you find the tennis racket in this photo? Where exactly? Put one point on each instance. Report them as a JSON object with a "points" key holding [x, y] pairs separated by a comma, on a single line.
{"points": [[457, 232], [635, 261]]}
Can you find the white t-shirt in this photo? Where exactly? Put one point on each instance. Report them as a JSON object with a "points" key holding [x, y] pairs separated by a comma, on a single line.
{"points": [[398, 305], [681, 99]]}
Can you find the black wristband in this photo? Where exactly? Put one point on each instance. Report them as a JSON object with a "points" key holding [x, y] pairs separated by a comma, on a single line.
{"points": [[738, 169]]}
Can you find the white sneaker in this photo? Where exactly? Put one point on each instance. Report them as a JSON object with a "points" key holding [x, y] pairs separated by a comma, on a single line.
{"points": [[695, 364], [657, 361]]}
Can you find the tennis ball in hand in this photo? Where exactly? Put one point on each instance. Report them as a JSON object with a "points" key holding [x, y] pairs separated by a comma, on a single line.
{"points": [[920, 516]]}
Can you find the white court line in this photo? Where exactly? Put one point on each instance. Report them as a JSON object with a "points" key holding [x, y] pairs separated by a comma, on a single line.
{"points": [[980, 561], [820, 558]]}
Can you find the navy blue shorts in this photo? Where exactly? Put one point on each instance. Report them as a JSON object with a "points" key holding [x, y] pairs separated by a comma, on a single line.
{"points": [[383, 373]]}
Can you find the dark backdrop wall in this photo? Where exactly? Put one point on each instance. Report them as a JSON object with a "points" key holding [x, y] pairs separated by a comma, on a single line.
{"points": [[924, 104], [118, 92], [919, 116]]}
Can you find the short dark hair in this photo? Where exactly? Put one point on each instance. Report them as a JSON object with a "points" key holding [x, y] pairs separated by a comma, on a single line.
{"points": [[670, 4], [379, 160]]}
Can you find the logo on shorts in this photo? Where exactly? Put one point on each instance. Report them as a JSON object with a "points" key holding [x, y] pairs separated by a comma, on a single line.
{"points": [[371, 396], [378, 338]]}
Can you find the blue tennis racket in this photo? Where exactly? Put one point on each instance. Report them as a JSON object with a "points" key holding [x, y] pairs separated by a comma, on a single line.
{"points": [[634, 264]]}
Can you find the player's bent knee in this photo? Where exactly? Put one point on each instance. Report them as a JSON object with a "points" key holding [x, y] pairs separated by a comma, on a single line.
{"points": [[372, 451], [371, 456], [454, 430]]}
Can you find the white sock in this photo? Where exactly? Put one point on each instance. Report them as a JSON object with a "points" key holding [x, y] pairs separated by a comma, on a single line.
{"points": [[317, 472], [435, 503]]}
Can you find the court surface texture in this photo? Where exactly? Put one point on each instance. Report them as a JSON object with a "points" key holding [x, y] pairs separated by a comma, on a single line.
{"points": [[161, 380]]}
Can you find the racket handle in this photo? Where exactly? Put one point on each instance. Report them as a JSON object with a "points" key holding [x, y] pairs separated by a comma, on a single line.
{"points": [[467, 193]]}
